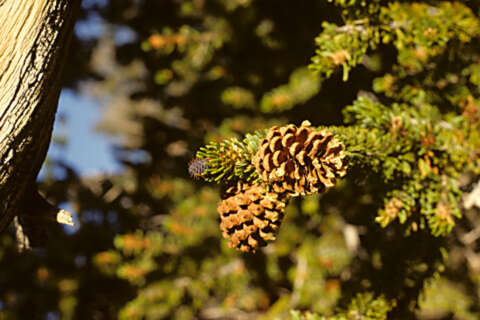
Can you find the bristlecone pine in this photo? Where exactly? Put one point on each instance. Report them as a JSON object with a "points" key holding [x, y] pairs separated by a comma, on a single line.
{"points": [[250, 216], [300, 161]]}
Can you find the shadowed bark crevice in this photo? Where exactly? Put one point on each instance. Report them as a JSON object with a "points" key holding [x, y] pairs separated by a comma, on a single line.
{"points": [[36, 216]]}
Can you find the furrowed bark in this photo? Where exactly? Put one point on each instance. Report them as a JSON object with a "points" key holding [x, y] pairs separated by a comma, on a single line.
{"points": [[34, 37]]}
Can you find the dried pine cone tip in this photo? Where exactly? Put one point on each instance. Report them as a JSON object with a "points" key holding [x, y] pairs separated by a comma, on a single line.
{"points": [[299, 160], [251, 217], [197, 167]]}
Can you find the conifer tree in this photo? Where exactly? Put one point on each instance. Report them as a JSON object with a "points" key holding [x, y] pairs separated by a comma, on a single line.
{"points": [[309, 160]]}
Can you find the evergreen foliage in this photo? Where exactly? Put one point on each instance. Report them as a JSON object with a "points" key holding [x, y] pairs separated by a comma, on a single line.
{"points": [[231, 159], [195, 92]]}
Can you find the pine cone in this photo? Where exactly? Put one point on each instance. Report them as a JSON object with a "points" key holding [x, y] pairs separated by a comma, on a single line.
{"points": [[300, 161], [250, 217]]}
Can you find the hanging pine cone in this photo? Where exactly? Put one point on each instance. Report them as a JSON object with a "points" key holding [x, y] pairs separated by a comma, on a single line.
{"points": [[250, 216], [301, 161]]}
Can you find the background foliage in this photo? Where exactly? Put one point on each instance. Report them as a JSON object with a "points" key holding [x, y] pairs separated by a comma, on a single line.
{"points": [[398, 82]]}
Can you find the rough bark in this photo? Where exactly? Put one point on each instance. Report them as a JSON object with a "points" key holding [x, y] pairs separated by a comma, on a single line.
{"points": [[34, 36]]}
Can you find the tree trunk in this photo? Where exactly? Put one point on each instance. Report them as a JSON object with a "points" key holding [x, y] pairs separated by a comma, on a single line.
{"points": [[34, 36]]}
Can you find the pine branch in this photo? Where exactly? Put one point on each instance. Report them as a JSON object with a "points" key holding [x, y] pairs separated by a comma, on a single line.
{"points": [[230, 159]]}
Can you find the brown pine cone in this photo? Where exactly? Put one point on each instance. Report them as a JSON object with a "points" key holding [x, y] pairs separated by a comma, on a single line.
{"points": [[300, 161], [250, 217]]}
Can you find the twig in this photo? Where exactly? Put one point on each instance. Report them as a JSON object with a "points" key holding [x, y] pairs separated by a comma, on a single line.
{"points": [[23, 242], [34, 219], [65, 217]]}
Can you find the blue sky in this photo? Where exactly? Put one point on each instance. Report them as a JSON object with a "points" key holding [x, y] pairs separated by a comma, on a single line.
{"points": [[86, 150]]}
